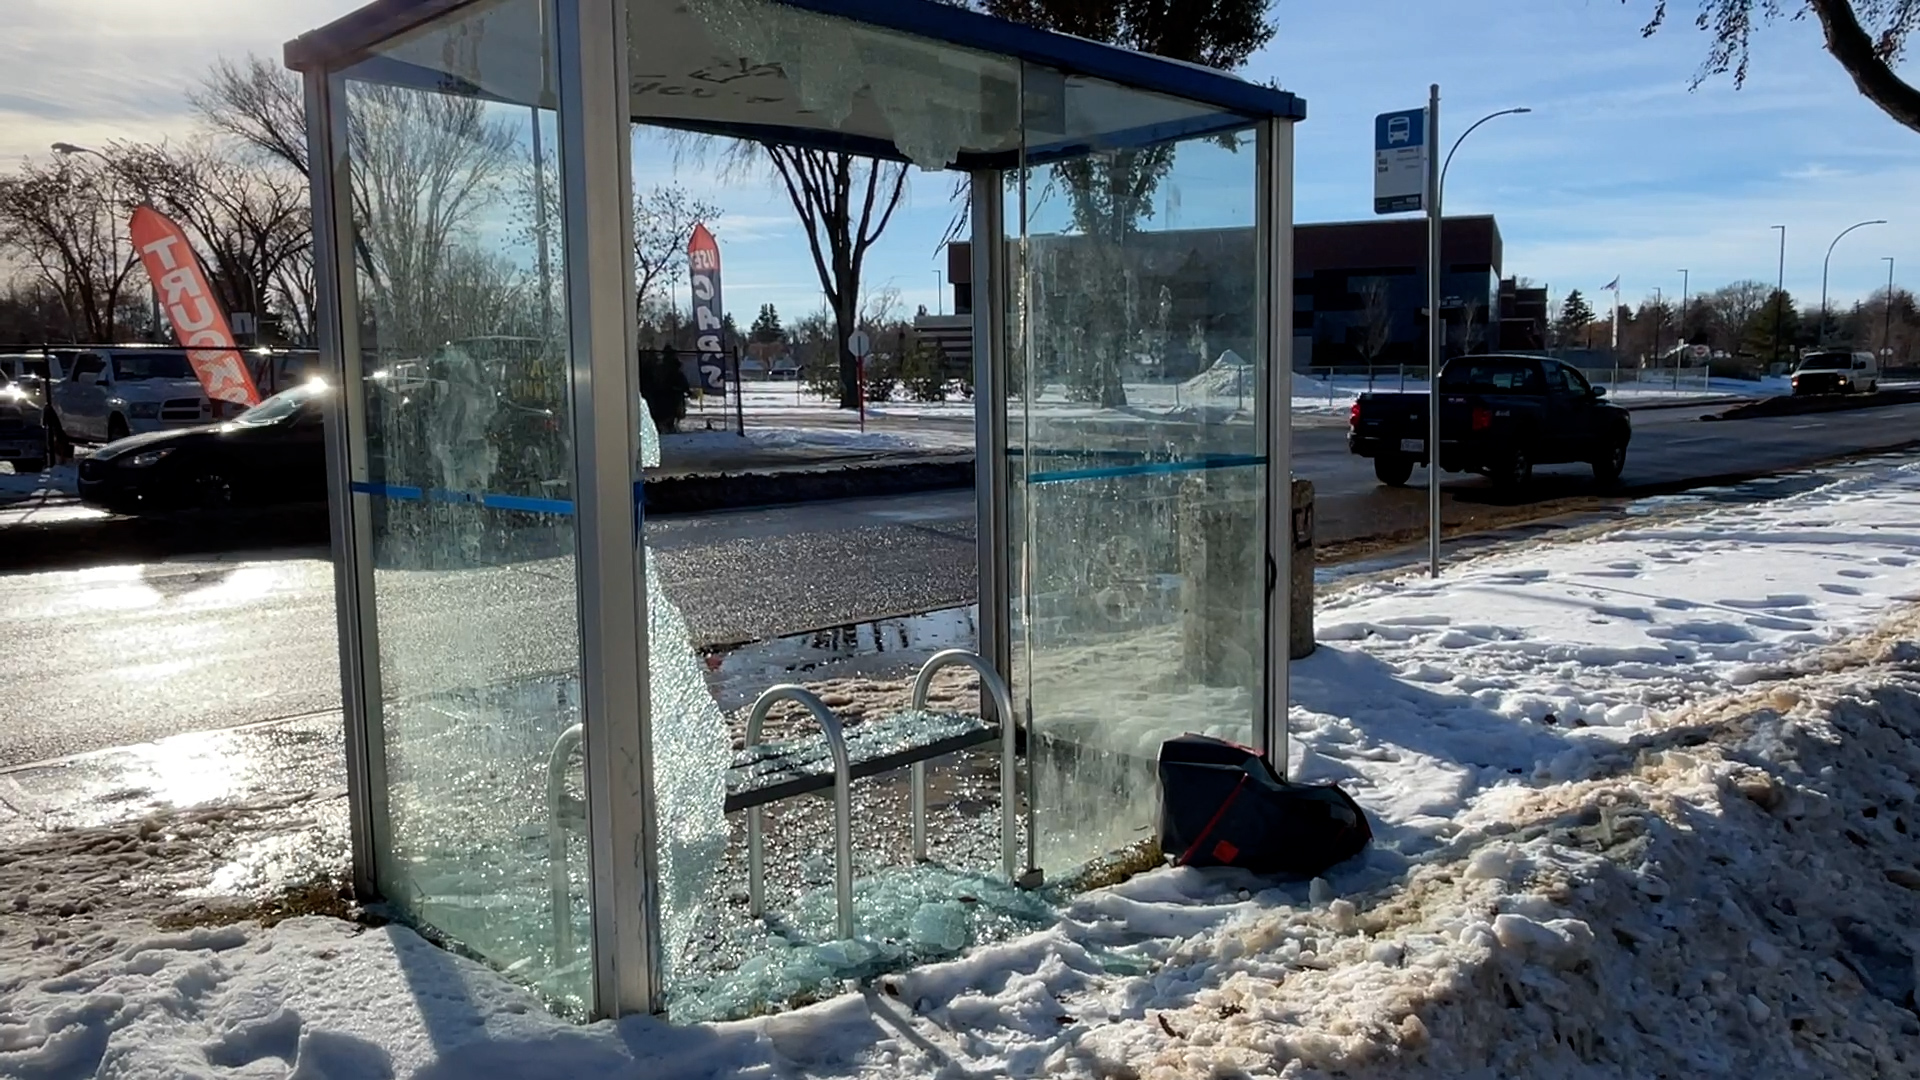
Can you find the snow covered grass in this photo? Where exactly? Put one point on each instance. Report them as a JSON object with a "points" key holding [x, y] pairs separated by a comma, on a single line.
{"points": [[696, 444], [1645, 805], [57, 480]]}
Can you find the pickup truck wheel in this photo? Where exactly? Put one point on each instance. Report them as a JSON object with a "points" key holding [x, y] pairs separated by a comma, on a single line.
{"points": [[1393, 471], [1610, 464], [1516, 471], [31, 466]]}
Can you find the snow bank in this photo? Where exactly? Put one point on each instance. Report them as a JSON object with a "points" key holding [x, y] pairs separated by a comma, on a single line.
{"points": [[1730, 895]]}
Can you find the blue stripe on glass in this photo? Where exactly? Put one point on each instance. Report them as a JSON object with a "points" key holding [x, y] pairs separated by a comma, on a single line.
{"points": [[525, 504], [1152, 468], [388, 491], [528, 504]]}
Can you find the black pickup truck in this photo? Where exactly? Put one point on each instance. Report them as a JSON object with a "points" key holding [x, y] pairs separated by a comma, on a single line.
{"points": [[1499, 416]]}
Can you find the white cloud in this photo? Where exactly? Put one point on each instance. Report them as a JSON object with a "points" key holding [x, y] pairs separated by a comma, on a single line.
{"points": [[88, 71]]}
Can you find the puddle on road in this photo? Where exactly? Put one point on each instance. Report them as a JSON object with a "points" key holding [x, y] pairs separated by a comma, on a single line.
{"points": [[882, 648]]}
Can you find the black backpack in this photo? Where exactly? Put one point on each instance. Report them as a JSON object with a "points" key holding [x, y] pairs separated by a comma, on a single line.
{"points": [[1223, 805]]}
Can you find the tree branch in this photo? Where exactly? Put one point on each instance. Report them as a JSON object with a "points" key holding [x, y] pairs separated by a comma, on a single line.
{"points": [[1863, 59]]}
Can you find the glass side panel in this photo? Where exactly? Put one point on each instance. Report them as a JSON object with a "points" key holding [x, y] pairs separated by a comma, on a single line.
{"points": [[1140, 475], [456, 244]]}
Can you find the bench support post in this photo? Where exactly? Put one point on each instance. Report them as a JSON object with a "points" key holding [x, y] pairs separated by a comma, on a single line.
{"points": [[996, 691], [842, 806]]}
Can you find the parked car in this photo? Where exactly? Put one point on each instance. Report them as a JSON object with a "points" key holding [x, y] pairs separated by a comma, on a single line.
{"points": [[1836, 372], [272, 453], [23, 434], [275, 370], [1499, 416], [103, 393]]}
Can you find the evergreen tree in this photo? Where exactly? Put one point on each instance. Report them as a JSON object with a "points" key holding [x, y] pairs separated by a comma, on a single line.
{"points": [[766, 326], [1575, 316], [1761, 338]]}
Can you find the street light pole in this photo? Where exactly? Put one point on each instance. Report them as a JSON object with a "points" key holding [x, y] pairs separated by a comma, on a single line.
{"points": [[1821, 338], [1685, 282], [939, 293], [1659, 317], [1779, 293], [1436, 328], [1886, 328]]}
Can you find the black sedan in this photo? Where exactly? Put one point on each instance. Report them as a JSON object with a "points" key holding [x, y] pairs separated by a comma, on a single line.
{"points": [[274, 452]]}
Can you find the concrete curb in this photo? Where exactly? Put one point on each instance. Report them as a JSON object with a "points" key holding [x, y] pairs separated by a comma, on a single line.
{"points": [[1686, 403], [702, 493], [45, 545]]}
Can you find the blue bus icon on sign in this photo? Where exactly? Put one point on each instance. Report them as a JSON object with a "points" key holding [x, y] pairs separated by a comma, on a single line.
{"points": [[1400, 130]]}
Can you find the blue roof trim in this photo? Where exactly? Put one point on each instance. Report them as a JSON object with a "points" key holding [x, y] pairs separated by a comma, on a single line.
{"points": [[349, 38], [1075, 56]]}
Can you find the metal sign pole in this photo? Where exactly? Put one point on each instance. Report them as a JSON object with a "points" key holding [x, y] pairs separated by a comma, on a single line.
{"points": [[1435, 330]]}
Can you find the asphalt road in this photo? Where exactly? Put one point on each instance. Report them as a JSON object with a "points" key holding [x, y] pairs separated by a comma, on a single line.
{"points": [[115, 655]]}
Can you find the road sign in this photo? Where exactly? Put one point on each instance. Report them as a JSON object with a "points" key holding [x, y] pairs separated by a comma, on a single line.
{"points": [[1400, 148], [859, 343]]}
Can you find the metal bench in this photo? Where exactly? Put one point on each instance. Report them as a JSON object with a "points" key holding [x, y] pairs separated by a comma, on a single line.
{"points": [[770, 772]]}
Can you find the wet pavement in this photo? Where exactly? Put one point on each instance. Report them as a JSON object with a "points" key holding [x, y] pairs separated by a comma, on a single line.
{"points": [[115, 655]]}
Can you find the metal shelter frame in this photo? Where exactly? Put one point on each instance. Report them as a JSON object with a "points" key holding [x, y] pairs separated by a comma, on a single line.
{"points": [[588, 43]]}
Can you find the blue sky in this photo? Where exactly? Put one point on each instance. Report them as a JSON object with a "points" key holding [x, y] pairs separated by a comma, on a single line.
{"points": [[1620, 169]]}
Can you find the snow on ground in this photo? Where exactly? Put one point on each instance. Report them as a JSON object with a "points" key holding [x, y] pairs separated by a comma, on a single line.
{"points": [[1645, 806], [60, 480], [694, 444]]}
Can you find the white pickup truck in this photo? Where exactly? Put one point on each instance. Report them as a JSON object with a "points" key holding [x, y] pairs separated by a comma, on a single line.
{"points": [[101, 393]]}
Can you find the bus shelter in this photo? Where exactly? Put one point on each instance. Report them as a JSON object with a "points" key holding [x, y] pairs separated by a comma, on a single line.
{"points": [[539, 774]]}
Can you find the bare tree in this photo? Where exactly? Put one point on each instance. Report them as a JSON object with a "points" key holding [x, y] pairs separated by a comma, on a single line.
{"points": [[250, 220], [64, 220], [258, 103], [1734, 308], [425, 167], [845, 202], [1867, 37], [1472, 327], [663, 221]]}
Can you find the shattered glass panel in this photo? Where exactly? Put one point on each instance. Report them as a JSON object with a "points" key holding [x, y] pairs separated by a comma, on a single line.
{"points": [[468, 444], [691, 754], [766, 63], [1138, 475], [906, 916]]}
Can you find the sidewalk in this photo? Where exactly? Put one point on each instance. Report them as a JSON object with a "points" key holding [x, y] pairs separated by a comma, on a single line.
{"points": [[1641, 805]]}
